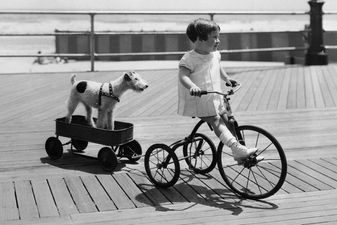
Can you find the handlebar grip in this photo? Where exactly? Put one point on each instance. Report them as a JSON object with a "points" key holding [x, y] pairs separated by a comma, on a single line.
{"points": [[203, 93], [233, 82]]}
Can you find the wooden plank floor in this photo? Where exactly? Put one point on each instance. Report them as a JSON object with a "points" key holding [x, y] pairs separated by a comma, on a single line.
{"points": [[298, 105]]}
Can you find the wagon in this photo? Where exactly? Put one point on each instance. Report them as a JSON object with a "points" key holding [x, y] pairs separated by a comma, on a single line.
{"points": [[117, 143]]}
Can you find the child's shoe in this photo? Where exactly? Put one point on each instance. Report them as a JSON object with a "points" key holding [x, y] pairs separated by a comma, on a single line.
{"points": [[241, 152]]}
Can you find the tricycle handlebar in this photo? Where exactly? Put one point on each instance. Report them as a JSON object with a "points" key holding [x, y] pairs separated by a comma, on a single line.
{"points": [[230, 92]]}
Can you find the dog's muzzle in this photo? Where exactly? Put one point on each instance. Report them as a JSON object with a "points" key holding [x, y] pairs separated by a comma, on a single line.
{"points": [[145, 86]]}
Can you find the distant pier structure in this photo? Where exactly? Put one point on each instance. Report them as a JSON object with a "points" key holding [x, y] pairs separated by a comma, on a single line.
{"points": [[308, 44], [316, 53]]}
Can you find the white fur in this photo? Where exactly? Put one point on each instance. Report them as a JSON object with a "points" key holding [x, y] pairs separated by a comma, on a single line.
{"points": [[90, 97]]}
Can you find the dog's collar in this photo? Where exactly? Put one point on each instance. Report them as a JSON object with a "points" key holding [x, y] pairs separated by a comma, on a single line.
{"points": [[110, 94]]}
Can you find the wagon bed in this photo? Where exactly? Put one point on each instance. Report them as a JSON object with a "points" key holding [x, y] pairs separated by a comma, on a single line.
{"points": [[80, 130]]}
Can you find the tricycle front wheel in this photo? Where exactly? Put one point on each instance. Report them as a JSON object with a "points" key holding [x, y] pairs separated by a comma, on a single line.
{"points": [[262, 174]]}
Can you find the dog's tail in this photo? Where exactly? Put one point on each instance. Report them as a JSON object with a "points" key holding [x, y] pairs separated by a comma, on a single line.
{"points": [[73, 78]]}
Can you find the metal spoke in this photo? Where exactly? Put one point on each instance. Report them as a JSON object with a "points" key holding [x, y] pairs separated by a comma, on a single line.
{"points": [[260, 152], [238, 175], [257, 139], [271, 184], [247, 181], [232, 165], [270, 170], [257, 183], [170, 172]]}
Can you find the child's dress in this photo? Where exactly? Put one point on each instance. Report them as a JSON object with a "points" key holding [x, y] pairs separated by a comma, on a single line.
{"points": [[205, 73]]}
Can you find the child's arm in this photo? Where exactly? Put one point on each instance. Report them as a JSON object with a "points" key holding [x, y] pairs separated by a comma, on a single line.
{"points": [[184, 77], [225, 77]]}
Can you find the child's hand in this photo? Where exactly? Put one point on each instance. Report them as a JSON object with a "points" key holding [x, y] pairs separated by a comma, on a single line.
{"points": [[232, 83], [195, 91]]}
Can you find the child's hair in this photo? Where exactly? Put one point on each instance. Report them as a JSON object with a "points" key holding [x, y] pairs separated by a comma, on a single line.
{"points": [[201, 28]]}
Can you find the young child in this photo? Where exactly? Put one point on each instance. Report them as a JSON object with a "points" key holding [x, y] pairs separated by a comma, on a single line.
{"points": [[199, 69]]}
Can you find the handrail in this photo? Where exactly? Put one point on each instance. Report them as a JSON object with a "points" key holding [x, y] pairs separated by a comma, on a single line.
{"points": [[46, 55], [251, 50], [331, 47], [45, 34], [58, 33], [92, 33], [217, 12]]}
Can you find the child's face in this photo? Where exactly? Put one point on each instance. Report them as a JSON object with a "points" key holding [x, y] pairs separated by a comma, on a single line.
{"points": [[212, 42]]}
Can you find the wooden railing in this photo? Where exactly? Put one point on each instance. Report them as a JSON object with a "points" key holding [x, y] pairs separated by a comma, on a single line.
{"points": [[92, 31]]}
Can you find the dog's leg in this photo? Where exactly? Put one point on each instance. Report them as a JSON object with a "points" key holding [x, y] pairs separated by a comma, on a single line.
{"points": [[110, 122], [105, 122], [89, 115], [100, 119]]}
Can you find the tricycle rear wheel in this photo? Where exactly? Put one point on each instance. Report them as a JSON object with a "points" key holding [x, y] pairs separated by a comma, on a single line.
{"points": [[162, 165], [200, 154]]}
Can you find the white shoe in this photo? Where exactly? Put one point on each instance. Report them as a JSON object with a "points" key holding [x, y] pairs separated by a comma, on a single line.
{"points": [[241, 152]]}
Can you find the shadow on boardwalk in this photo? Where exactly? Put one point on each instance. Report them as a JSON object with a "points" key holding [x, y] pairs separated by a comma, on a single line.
{"points": [[221, 197]]}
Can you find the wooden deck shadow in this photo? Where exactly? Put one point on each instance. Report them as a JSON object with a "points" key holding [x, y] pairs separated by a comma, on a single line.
{"points": [[83, 163], [191, 189]]}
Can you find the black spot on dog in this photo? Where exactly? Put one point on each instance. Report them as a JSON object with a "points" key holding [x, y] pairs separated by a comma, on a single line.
{"points": [[81, 86]]}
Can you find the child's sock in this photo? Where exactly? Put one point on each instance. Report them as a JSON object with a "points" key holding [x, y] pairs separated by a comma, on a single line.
{"points": [[239, 151], [227, 138]]}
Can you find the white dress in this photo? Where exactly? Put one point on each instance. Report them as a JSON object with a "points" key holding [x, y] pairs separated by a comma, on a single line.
{"points": [[205, 73]]}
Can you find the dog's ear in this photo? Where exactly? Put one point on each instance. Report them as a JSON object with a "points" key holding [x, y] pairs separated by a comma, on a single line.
{"points": [[127, 76]]}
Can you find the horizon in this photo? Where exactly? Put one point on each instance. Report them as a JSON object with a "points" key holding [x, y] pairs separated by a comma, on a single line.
{"points": [[172, 5]]}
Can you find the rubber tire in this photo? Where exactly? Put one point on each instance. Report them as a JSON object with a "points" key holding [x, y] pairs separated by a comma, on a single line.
{"points": [[166, 182], [108, 159], [79, 145], [280, 178], [54, 148], [212, 164], [132, 151]]}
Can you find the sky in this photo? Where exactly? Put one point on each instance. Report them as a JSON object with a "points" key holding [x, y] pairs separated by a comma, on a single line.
{"points": [[179, 5]]}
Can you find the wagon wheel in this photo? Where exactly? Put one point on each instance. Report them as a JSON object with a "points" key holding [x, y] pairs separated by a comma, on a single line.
{"points": [[54, 148], [79, 145], [108, 159], [132, 151]]}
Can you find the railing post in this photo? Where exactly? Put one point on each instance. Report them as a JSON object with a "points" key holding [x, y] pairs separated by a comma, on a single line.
{"points": [[316, 54], [211, 16], [92, 41]]}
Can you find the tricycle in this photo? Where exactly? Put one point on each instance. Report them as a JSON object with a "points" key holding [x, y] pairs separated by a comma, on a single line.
{"points": [[259, 176]]}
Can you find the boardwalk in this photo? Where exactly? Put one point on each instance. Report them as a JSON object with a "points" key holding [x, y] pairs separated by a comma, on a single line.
{"points": [[297, 104]]}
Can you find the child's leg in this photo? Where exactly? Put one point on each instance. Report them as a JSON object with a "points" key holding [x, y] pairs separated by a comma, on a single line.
{"points": [[220, 129], [240, 152]]}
